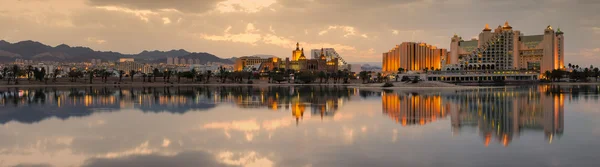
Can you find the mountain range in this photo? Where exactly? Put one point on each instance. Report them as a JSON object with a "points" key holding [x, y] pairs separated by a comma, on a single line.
{"points": [[32, 50]]}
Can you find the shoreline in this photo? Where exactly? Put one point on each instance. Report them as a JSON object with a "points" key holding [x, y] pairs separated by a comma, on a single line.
{"points": [[261, 83]]}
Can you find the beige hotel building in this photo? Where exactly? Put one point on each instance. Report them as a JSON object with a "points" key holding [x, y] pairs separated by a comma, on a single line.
{"points": [[504, 48], [412, 56]]}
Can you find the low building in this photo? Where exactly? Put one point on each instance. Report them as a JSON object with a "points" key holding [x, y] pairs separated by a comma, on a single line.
{"points": [[297, 63]]}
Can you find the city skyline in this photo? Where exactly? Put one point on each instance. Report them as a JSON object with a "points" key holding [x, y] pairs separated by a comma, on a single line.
{"points": [[274, 26]]}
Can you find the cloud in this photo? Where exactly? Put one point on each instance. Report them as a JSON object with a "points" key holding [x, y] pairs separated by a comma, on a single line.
{"points": [[33, 165], [249, 36], [95, 40], [243, 5], [166, 20], [190, 6], [348, 30], [596, 30], [142, 14], [250, 159], [184, 159], [588, 54]]}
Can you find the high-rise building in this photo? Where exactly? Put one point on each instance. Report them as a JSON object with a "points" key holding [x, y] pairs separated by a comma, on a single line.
{"points": [[182, 61], [508, 49], [176, 60], [169, 60], [127, 66], [190, 61], [413, 56]]}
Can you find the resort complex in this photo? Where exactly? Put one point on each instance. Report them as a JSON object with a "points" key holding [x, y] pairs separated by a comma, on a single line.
{"points": [[508, 49], [498, 54]]}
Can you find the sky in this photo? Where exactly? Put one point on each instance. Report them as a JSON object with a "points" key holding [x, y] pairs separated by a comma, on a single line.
{"points": [[359, 30]]}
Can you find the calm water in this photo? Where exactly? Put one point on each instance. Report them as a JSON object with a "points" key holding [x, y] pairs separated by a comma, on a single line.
{"points": [[299, 126]]}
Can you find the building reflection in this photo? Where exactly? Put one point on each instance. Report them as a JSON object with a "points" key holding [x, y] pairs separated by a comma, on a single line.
{"points": [[34, 105], [496, 114], [504, 115], [412, 108], [319, 100]]}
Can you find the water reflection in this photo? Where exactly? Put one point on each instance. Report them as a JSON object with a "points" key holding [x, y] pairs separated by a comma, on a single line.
{"points": [[495, 113], [112, 126]]}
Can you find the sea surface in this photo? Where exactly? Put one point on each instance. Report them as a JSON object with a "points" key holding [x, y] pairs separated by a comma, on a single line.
{"points": [[299, 126]]}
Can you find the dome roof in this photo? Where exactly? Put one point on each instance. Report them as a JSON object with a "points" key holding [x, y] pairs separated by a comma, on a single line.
{"points": [[506, 25], [487, 28], [559, 31]]}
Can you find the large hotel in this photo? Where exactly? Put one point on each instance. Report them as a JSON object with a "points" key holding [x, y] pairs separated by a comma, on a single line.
{"points": [[413, 56], [500, 49]]}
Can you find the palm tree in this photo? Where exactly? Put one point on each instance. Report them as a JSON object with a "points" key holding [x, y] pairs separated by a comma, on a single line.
{"points": [[4, 72], [91, 75], [56, 71], [29, 71], [570, 65], [168, 76], [208, 74], [322, 75], [155, 73], [131, 73], [596, 73], [193, 75], [548, 75], [16, 72], [121, 73], [364, 76]]}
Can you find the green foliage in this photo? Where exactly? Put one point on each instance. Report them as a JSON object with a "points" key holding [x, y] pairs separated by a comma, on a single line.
{"points": [[278, 78], [306, 77], [364, 75]]}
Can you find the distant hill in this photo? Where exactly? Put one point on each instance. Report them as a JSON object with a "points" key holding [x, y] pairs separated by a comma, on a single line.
{"points": [[204, 58], [32, 50], [153, 55]]}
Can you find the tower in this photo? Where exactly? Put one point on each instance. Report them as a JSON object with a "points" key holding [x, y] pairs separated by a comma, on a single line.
{"points": [[560, 48], [454, 47], [549, 58], [485, 35], [297, 53]]}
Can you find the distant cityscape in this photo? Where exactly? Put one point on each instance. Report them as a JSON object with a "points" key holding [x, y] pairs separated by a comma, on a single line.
{"points": [[501, 54]]}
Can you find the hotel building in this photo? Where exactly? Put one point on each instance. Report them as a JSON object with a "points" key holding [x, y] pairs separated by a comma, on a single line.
{"points": [[507, 49], [413, 56]]}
